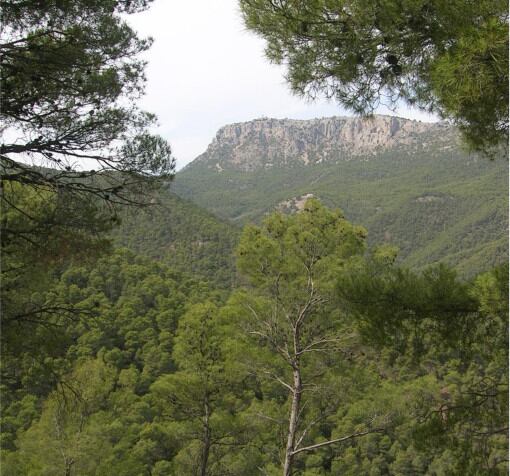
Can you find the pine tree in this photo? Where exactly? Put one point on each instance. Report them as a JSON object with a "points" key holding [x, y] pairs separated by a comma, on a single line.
{"points": [[288, 309], [450, 57]]}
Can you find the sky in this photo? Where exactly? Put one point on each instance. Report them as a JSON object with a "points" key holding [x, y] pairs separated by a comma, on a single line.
{"points": [[205, 70]]}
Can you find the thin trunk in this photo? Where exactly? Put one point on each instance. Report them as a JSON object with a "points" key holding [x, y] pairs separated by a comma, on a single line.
{"points": [[293, 422], [69, 462], [206, 440]]}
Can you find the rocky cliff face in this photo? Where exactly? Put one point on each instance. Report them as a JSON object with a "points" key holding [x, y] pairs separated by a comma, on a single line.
{"points": [[266, 143]]}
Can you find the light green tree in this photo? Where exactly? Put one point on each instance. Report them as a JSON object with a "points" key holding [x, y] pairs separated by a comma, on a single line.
{"points": [[69, 437], [288, 312]]}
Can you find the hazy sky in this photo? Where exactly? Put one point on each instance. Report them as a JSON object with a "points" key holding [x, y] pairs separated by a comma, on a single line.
{"points": [[205, 70]]}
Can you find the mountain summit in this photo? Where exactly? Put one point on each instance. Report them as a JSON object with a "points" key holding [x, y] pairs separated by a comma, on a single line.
{"points": [[267, 143]]}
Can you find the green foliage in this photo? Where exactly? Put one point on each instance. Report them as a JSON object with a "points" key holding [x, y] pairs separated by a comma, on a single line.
{"points": [[68, 435], [42, 233], [71, 76], [469, 82], [457, 334], [156, 374], [287, 311], [393, 304], [127, 313], [202, 398], [115, 364], [286, 244], [449, 57]]}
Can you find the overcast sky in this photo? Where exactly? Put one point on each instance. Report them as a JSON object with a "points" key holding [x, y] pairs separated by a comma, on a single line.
{"points": [[205, 70]]}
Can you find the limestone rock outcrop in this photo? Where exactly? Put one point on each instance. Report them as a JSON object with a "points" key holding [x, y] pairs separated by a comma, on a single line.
{"points": [[285, 142]]}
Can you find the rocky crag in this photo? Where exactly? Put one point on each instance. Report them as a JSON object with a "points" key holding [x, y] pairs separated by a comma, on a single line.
{"points": [[267, 143]]}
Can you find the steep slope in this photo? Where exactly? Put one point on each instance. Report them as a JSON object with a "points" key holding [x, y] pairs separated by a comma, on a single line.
{"points": [[182, 235], [408, 182]]}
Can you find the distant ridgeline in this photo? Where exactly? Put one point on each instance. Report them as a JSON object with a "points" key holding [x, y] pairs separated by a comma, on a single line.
{"points": [[408, 182]]}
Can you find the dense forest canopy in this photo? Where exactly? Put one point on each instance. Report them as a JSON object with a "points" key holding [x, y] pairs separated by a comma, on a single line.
{"points": [[307, 351], [397, 372]]}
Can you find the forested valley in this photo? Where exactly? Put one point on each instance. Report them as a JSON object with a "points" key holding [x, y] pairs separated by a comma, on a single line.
{"points": [[143, 335]]}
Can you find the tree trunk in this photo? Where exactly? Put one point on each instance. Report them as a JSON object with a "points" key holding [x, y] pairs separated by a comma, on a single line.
{"points": [[206, 440], [69, 462], [293, 422]]}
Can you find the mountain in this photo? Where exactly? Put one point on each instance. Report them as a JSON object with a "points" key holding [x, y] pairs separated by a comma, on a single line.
{"points": [[182, 235], [267, 143], [408, 182]]}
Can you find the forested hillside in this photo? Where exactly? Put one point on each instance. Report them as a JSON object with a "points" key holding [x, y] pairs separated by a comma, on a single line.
{"points": [[253, 327], [420, 192], [183, 236], [157, 373]]}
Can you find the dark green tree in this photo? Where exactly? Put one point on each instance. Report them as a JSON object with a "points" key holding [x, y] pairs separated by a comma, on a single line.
{"points": [[74, 144], [70, 79], [455, 332], [202, 397], [450, 57]]}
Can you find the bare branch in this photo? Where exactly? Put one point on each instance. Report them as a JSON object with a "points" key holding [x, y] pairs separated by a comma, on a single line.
{"points": [[337, 440], [308, 428], [280, 381]]}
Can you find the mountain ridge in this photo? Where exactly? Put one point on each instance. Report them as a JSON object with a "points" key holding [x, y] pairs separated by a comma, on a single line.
{"points": [[420, 192], [268, 142]]}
